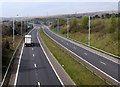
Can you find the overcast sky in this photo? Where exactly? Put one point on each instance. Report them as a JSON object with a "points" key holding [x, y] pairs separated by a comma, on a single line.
{"points": [[59, 0], [11, 8]]}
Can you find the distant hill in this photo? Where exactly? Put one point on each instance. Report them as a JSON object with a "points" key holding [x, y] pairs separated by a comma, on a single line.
{"points": [[65, 15], [78, 14]]}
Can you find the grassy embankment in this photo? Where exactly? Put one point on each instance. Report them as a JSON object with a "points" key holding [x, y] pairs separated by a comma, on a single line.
{"points": [[79, 74], [100, 37], [10, 51]]}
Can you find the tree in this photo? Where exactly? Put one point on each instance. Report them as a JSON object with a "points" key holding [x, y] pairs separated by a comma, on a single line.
{"points": [[84, 23], [61, 21], [97, 16], [107, 15], [7, 44], [113, 24], [73, 25], [102, 16]]}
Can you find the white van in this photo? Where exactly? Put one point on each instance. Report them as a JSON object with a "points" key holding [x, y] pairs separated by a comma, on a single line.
{"points": [[28, 40]]}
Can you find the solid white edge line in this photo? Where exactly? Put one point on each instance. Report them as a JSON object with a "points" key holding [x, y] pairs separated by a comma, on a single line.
{"points": [[69, 39], [19, 63], [18, 66], [10, 64], [95, 49], [84, 60], [50, 61]]}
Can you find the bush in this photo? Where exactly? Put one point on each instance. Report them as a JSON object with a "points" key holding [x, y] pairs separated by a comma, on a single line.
{"points": [[84, 23], [97, 22], [112, 24], [73, 25]]}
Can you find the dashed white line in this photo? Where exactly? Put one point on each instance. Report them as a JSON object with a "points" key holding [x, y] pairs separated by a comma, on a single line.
{"points": [[50, 62], [16, 76], [35, 65], [38, 84], [103, 63], [32, 49], [87, 45], [74, 47], [83, 59], [85, 53], [33, 55]]}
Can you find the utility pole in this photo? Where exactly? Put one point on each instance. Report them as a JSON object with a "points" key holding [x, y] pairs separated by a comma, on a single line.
{"points": [[27, 17], [26, 21], [13, 31], [89, 32], [67, 28], [21, 26], [24, 24], [58, 23], [53, 24]]}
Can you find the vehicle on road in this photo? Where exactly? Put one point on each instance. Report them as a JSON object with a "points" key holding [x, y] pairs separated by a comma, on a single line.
{"points": [[28, 40]]}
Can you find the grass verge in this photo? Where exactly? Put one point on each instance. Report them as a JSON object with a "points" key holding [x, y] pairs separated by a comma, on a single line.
{"points": [[103, 42], [78, 73], [6, 58]]}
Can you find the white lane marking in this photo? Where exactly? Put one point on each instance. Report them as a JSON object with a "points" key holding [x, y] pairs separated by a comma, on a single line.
{"points": [[84, 48], [84, 59], [31, 31], [33, 55], [35, 65], [32, 49], [38, 84], [50, 62], [1, 84], [74, 47], [18, 66], [16, 76], [85, 53], [103, 63]]}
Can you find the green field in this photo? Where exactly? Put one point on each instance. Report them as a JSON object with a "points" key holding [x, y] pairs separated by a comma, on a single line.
{"points": [[79, 74]]}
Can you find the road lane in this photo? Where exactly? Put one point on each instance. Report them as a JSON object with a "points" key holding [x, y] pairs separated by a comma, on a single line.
{"points": [[34, 67], [109, 67]]}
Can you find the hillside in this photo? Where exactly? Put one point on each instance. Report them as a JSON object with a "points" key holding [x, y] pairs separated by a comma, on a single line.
{"points": [[104, 32]]}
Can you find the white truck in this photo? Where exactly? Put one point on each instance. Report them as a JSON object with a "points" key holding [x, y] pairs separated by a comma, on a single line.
{"points": [[28, 40]]}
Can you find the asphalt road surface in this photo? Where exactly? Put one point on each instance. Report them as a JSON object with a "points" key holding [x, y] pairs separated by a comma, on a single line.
{"points": [[110, 68], [35, 70]]}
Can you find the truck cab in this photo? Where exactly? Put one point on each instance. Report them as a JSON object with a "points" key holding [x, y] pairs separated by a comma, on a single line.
{"points": [[28, 40]]}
